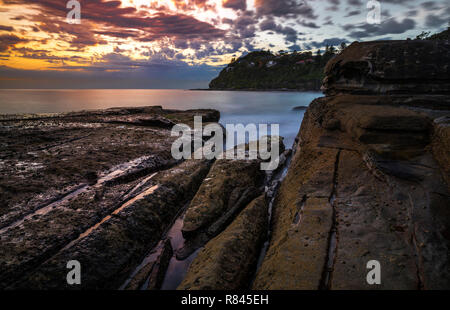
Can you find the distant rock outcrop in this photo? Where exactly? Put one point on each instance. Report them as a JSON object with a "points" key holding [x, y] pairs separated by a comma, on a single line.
{"points": [[263, 70]]}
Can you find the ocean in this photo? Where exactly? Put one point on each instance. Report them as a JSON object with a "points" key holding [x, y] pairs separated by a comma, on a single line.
{"points": [[236, 107]]}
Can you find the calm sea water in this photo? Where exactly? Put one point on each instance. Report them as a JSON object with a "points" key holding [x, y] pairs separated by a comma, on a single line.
{"points": [[235, 107]]}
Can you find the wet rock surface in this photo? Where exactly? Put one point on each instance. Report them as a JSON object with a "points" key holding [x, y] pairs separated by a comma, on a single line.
{"points": [[228, 260], [103, 192], [369, 176], [112, 249], [151, 274], [230, 186], [110, 196]]}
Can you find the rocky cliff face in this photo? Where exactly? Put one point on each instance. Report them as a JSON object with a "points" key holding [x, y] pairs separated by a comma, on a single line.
{"points": [[369, 179]]}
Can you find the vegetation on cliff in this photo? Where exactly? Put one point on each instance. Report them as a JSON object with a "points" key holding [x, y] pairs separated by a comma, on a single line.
{"points": [[265, 70], [444, 35]]}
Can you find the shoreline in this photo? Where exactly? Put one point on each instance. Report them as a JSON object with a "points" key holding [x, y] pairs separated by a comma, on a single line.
{"points": [[256, 90]]}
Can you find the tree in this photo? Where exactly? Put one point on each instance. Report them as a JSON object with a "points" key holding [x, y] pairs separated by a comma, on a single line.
{"points": [[423, 36], [332, 49], [343, 46]]}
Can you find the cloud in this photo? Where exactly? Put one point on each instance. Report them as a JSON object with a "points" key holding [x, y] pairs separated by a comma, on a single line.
{"points": [[309, 24], [353, 13], [390, 26], [430, 5], [284, 8], [6, 28], [435, 21], [334, 5], [179, 27], [295, 47], [119, 20], [235, 4], [334, 2], [289, 32], [9, 40], [355, 2], [331, 41], [243, 26], [396, 1]]}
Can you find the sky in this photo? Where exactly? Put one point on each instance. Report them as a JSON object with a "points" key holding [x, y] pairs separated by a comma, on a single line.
{"points": [[182, 43]]}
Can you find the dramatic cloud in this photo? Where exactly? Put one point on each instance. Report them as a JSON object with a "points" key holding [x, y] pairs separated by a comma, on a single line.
{"points": [[8, 40], [140, 37], [289, 33], [430, 5], [390, 26], [235, 4], [330, 42], [6, 28], [112, 14], [435, 21], [284, 8], [353, 13]]}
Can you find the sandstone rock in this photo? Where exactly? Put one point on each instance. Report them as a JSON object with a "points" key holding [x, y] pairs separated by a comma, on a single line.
{"points": [[305, 245], [332, 124], [48, 156], [379, 184], [109, 250], [152, 273], [80, 168], [385, 224], [156, 121], [229, 186], [441, 144], [139, 279], [159, 268], [227, 261], [298, 246]]}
